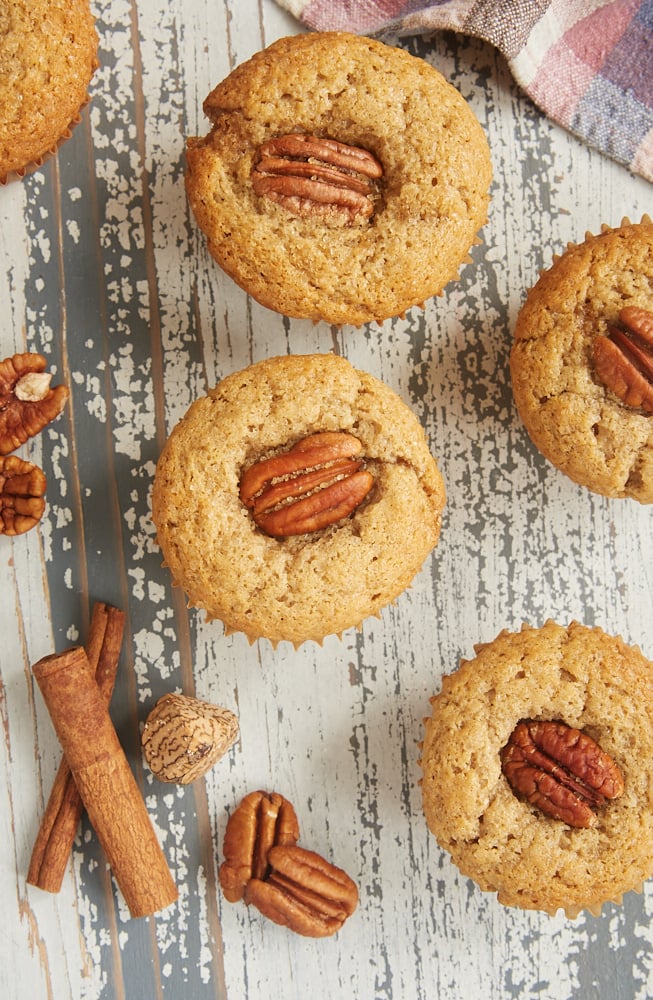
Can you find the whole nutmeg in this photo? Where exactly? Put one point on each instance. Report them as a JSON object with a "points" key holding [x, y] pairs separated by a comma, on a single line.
{"points": [[184, 737]]}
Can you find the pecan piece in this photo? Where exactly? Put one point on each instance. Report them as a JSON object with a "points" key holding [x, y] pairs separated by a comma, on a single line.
{"points": [[22, 488], [27, 403], [260, 823], [318, 482], [303, 892], [561, 770], [623, 359], [309, 175], [183, 737]]}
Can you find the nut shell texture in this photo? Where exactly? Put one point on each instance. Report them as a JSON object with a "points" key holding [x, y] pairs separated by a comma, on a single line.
{"points": [[434, 190], [308, 586], [48, 54], [576, 675], [577, 423], [184, 737]]}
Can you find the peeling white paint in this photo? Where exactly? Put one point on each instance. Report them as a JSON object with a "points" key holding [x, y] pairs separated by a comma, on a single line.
{"points": [[335, 728]]}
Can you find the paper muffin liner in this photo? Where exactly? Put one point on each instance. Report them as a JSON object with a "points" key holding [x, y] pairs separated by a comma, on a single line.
{"points": [[604, 228], [253, 637], [421, 306], [36, 164], [595, 909]]}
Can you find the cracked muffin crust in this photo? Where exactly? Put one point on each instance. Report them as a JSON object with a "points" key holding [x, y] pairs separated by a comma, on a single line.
{"points": [[579, 676], [305, 586], [48, 54], [364, 245], [574, 418]]}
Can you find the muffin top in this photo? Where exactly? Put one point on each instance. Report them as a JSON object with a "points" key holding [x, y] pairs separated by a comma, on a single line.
{"points": [[343, 256], [309, 585], [47, 58], [573, 415], [578, 676]]}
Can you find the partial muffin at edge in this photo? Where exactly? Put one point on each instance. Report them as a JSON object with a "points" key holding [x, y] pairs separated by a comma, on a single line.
{"points": [[48, 54], [572, 416]]}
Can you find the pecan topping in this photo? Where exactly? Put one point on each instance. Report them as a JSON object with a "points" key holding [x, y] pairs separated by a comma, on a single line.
{"points": [[318, 482], [183, 737], [260, 823], [561, 770], [22, 487], [314, 176], [288, 884], [304, 892], [624, 359], [27, 403]]}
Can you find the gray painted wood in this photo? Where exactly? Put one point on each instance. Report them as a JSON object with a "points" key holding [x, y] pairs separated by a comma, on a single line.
{"points": [[104, 271]]}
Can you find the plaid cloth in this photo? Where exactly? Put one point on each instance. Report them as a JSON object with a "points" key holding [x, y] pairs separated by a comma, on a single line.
{"points": [[588, 64]]}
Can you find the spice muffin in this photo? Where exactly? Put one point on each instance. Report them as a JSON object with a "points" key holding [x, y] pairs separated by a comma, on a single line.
{"points": [[48, 54], [509, 732], [582, 362], [342, 180], [297, 498]]}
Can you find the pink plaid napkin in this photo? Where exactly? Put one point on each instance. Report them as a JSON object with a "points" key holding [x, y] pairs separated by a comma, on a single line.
{"points": [[588, 64]]}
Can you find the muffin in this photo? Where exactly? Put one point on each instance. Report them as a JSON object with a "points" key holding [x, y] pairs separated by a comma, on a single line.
{"points": [[297, 498], [342, 180], [48, 54], [538, 768], [582, 362]]}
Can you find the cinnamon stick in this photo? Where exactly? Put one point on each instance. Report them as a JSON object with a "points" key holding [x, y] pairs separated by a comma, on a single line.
{"points": [[104, 780], [63, 812]]}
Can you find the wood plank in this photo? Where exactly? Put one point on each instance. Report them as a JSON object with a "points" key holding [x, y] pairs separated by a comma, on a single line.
{"points": [[106, 272]]}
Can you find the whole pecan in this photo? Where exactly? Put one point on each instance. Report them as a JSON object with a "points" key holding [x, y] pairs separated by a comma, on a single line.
{"points": [[561, 770], [22, 488], [261, 821], [304, 892], [309, 176], [623, 359], [27, 403], [318, 482]]}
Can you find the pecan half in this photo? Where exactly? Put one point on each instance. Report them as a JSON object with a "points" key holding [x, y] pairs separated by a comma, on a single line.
{"points": [[318, 482], [309, 175], [260, 823], [561, 770], [22, 488], [304, 892], [27, 403], [183, 737], [623, 359]]}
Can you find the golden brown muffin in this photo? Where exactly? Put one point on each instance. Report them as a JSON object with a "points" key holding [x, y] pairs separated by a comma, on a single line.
{"points": [[571, 363], [310, 234], [307, 585], [578, 676], [48, 54]]}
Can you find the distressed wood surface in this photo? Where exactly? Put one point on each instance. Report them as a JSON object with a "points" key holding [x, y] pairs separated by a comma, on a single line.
{"points": [[104, 271]]}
